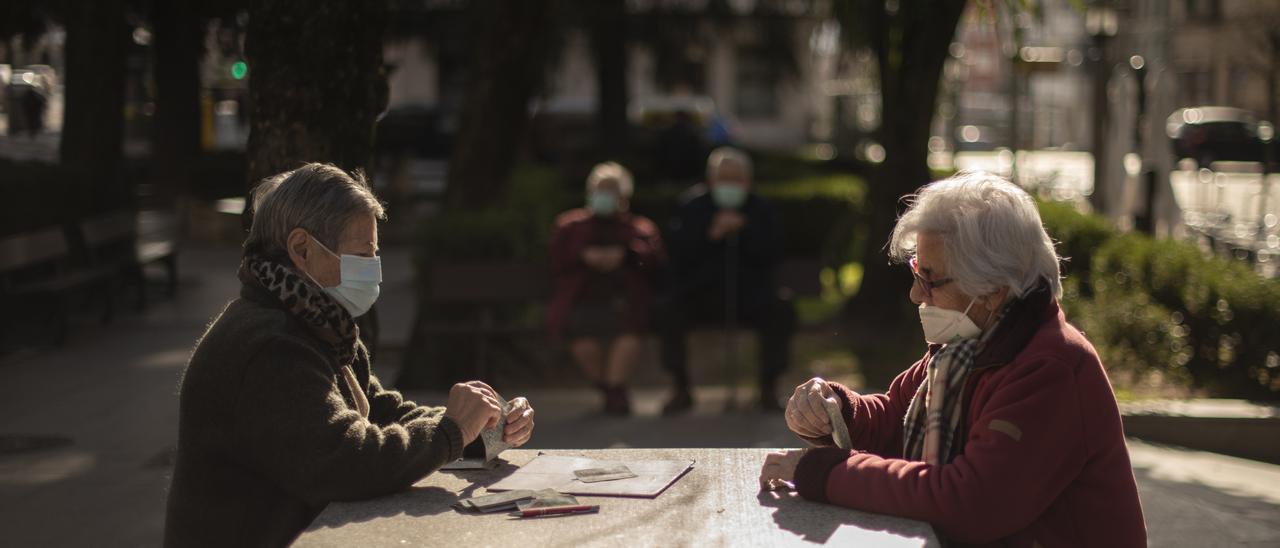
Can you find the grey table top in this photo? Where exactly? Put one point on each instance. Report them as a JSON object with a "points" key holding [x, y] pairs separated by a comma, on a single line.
{"points": [[718, 502]]}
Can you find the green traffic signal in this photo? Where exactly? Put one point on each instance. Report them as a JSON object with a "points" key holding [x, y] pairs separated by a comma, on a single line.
{"points": [[239, 69]]}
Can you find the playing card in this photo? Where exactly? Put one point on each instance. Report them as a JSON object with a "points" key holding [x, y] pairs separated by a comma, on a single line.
{"points": [[839, 430], [593, 475], [548, 498], [495, 502]]}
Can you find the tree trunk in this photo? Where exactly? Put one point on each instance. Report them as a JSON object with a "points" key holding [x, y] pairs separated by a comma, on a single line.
{"points": [[93, 126], [609, 38], [316, 84], [506, 69], [910, 92], [316, 87], [179, 42]]}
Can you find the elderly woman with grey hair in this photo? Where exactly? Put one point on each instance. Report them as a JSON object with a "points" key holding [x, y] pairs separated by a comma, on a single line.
{"points": [[1006, 432], [280, 412]]}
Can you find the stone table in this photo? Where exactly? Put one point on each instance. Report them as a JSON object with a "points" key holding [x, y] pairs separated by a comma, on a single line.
{"points": [[717, 503]]}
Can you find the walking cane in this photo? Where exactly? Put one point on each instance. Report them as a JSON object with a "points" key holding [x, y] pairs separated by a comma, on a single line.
{"points": [[731, 321]]}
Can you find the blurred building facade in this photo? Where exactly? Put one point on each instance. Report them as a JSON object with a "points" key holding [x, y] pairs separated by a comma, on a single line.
{"points": [[760, 102], [1169, 55]]}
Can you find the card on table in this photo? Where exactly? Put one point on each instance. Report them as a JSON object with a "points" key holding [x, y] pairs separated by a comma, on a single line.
{"points": [[607, 473]]}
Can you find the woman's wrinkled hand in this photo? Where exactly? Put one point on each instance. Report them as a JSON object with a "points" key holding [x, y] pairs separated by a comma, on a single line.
{"points": [[779, 470], [806, 410], [519, 423], [475, 406]]}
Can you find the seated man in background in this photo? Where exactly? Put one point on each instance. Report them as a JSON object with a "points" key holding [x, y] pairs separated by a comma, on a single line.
{"points": [[604, 263], [725, 243]]}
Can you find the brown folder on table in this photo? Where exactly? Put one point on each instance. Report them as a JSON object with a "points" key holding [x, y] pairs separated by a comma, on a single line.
{"points": [[557, 472]]}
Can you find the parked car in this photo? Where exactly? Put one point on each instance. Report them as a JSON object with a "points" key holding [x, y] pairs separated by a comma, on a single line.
{"points": [[1209, 134], [26, 98]]}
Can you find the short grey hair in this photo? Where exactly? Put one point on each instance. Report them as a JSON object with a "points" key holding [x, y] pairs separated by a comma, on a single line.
{"points": [[992, 233], [611, 172], [318, 198], [723, 155]]}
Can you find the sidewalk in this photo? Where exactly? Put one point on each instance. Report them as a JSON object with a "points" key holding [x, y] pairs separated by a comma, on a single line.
{"points": [[111, 396], [1231, 427]]}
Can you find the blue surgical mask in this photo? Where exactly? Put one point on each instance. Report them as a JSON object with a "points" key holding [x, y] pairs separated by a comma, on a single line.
{"points": [[729, 195], [602, 204], [359, 285]]}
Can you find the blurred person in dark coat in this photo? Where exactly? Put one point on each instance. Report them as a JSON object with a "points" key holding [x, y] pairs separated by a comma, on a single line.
{"points": [[725, 243]]}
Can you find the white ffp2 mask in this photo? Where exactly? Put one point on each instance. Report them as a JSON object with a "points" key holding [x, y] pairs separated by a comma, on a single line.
{"points": [[943, 326]]}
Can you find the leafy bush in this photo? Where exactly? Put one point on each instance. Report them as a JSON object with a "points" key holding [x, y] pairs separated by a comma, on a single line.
{"points": [[1162, 304], [818, 212]]}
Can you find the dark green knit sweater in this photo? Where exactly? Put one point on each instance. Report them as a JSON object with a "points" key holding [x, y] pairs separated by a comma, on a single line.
{"points": [[269, 432]]}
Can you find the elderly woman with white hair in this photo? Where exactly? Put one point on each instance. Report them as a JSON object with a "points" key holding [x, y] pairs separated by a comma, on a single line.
{"points": [[605, 261], [280, 412], [1006, 432]]}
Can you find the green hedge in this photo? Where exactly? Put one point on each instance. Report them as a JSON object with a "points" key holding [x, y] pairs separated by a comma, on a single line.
{"points": [[817, 212], [1162, 304]]}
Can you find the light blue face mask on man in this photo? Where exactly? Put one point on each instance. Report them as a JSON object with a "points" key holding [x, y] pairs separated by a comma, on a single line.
{"points": [[602, 203], [359, 285], [729, 195]]}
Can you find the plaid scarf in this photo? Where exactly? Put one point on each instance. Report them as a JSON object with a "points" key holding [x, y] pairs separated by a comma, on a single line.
{"points": [[933, 417]]}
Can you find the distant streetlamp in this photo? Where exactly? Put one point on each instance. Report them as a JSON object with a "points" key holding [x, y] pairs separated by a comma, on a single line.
{"points": [[1266, 132], [1102, 24], [1147, 222]]}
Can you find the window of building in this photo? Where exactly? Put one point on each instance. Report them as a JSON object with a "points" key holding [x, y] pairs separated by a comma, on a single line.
{"points": [[1204, 11], [1195, 87], [756, 92]]}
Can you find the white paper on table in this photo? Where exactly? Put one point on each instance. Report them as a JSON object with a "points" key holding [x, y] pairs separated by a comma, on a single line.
{"points": [[556, 472]]}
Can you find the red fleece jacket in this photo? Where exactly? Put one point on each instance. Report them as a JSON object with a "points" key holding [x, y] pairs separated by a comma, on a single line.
{"points": [[1044, 461]]}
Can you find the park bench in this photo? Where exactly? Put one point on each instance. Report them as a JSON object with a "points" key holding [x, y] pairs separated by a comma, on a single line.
{"points": [[38, 267], [487, 289], [128, 242]]}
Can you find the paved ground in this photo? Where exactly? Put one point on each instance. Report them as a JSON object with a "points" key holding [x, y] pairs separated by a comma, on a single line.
{"points": [[110, 396]]}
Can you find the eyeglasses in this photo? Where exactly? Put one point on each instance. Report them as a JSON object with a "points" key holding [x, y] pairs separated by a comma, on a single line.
{"points": [[926, 285]]}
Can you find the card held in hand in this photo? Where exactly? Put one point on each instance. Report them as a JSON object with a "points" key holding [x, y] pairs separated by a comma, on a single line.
{"points": [[593, 475], [482, 454], [839, 430]]}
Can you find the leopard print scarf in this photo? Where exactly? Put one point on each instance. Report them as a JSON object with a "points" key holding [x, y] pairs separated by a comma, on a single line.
{"points": [[315, 308]]}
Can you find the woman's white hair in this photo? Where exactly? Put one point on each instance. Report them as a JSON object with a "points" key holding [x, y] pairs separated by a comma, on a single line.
{"points": [[611, 172], [991, 231]]}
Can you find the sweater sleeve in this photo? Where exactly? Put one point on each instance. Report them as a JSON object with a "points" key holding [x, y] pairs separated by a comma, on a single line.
{"points": [[565, 250], [1023, 449], [294, 427], [875, 420], [760, 242], [387, 407]]}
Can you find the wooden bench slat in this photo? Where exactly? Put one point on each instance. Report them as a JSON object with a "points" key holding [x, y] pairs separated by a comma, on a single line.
{"points": [[32, 249], [489, 282], [112, 227]]}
